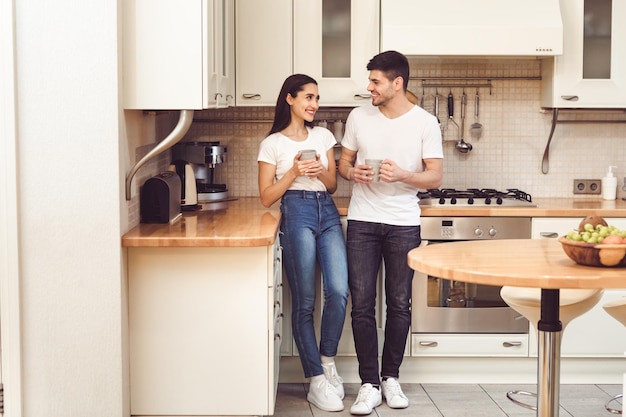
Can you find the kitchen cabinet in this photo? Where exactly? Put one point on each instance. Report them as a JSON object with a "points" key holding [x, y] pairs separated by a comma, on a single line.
{"points": [[205, 325], [346, 343], [332, 41], [590, 73], [178, 54], [263, 48], [474, 345], [595, 333]]}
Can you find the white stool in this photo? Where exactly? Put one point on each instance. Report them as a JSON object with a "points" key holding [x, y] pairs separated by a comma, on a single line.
{"points": [[527, 302], [617, 309]]}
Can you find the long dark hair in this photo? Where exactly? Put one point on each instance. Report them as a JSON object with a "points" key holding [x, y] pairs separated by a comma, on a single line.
{"points": [[282, 113]]}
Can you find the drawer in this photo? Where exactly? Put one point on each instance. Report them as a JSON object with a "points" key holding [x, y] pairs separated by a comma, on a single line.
{"points": [[469, 345]]}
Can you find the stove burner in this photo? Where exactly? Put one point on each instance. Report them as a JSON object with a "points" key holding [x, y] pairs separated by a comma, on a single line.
{"points": [[475, 197]]}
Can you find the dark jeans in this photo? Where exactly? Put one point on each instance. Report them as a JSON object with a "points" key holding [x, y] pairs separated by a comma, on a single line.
{"points": [[368, 244], [311, 233]]}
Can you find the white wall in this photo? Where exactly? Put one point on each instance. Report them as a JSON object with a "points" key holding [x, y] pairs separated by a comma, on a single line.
{"points": [[70, 196]]}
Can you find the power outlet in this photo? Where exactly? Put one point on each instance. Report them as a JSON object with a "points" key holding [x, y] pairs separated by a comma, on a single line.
{"points": [[587, 186]]}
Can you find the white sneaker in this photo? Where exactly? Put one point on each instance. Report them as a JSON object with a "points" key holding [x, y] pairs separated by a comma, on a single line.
{"points": [[324, 396], [330, 372], [368, 398], [393, 394]]}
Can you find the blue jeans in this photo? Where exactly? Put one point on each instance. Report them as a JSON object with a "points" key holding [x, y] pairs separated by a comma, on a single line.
{"points": [[311, 231], [368, 244]]}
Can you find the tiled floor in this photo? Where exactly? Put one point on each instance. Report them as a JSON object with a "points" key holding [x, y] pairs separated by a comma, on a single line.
{"points": [[455, 400]]}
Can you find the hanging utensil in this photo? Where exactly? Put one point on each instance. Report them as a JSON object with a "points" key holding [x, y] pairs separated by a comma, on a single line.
{"points": [[451, 113], [476, 129], [461, 145]]}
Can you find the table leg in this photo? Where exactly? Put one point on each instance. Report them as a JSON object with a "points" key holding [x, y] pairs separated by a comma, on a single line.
{"points": [[549, 355]]}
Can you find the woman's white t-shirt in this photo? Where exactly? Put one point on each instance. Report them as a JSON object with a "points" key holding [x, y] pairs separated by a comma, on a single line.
{"points": [[279, 150], [406, 140]]}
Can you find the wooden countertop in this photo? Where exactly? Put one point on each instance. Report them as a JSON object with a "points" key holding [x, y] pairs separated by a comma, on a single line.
{"points": [[539, 263], [245, 222], [546, 207], [241, 222]]}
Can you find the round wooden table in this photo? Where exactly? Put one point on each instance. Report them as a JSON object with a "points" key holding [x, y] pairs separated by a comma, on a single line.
{"points": [[537, 263]]}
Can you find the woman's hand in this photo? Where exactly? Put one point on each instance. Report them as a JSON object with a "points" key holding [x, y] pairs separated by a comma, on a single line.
{"points": [[310, 168]]}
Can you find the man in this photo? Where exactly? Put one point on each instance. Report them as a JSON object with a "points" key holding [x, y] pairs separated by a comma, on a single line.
{"points": [[384, 219]]}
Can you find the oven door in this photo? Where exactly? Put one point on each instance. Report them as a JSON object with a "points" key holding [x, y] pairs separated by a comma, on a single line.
{"points": [[445, 306]]}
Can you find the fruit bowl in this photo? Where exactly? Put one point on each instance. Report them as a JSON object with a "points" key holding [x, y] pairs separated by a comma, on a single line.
{"points": [[594, 254]]}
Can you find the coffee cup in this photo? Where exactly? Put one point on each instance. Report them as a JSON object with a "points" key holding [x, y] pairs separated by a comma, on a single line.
{"points": [[375, 164], [308, 154]]}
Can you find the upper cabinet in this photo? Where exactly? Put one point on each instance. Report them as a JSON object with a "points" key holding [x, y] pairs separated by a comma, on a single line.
{"points": [[263, 48], [178, 54], [333, 42], [330, 40], [591, 73]]}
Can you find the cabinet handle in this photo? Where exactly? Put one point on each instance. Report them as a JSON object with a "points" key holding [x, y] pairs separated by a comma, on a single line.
{"points": [[362, 96], [551, 235], [511, 344], [570, 98], [253, 96], [429, 344]]}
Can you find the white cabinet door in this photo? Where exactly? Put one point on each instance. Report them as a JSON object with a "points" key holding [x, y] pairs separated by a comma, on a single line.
{"points": [[220, 64], [595, 333], [202, 321], [163, 53], [177, 54], [263, 48], [334, 47], [590, 73]]}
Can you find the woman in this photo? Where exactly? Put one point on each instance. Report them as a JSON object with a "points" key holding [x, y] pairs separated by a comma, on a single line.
{"points": [[310, 231]]}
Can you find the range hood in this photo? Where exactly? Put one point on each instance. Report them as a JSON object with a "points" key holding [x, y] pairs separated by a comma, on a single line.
{"points": [[472, 28]]}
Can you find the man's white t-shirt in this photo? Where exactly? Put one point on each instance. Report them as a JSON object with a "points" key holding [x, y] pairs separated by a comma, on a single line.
{"points": [[406, 140], [277, 149]]}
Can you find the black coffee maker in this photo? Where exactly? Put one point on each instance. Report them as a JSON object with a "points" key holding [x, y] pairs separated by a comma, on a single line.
{"points": [[205, 158]]}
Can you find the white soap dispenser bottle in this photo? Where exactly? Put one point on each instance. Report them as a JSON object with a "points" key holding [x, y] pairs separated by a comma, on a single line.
{"points": [[609, 185]]}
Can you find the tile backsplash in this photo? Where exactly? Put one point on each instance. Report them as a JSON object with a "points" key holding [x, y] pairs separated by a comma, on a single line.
{"points": [[507, 155]]}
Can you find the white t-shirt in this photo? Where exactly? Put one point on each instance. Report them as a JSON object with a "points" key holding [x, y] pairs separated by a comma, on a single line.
{"points": [[407, 140], [279, 150]]}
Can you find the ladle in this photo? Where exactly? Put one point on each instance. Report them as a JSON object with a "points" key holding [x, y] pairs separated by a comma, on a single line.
{"points": [[461, 145], [476, 129]]}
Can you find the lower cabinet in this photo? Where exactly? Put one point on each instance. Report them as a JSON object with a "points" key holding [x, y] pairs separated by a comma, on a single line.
{"points": [[346, 343], [474, 345], [205, 325]]}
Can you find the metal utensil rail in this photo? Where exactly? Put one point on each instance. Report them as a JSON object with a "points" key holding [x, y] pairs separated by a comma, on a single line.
{"points": [[545, 162]]}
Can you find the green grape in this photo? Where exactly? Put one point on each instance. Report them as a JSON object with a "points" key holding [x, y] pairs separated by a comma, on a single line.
{"points": [[596, 234]]}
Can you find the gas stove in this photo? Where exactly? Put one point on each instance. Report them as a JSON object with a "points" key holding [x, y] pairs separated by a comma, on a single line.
{"points": [[475, 197]]}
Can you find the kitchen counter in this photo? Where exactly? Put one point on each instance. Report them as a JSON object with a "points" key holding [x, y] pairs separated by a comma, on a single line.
{"points": [[241, 222], [546, 207], [244, 222]]}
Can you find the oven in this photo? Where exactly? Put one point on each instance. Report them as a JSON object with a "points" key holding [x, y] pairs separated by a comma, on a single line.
{"points": [[446, 306]]}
